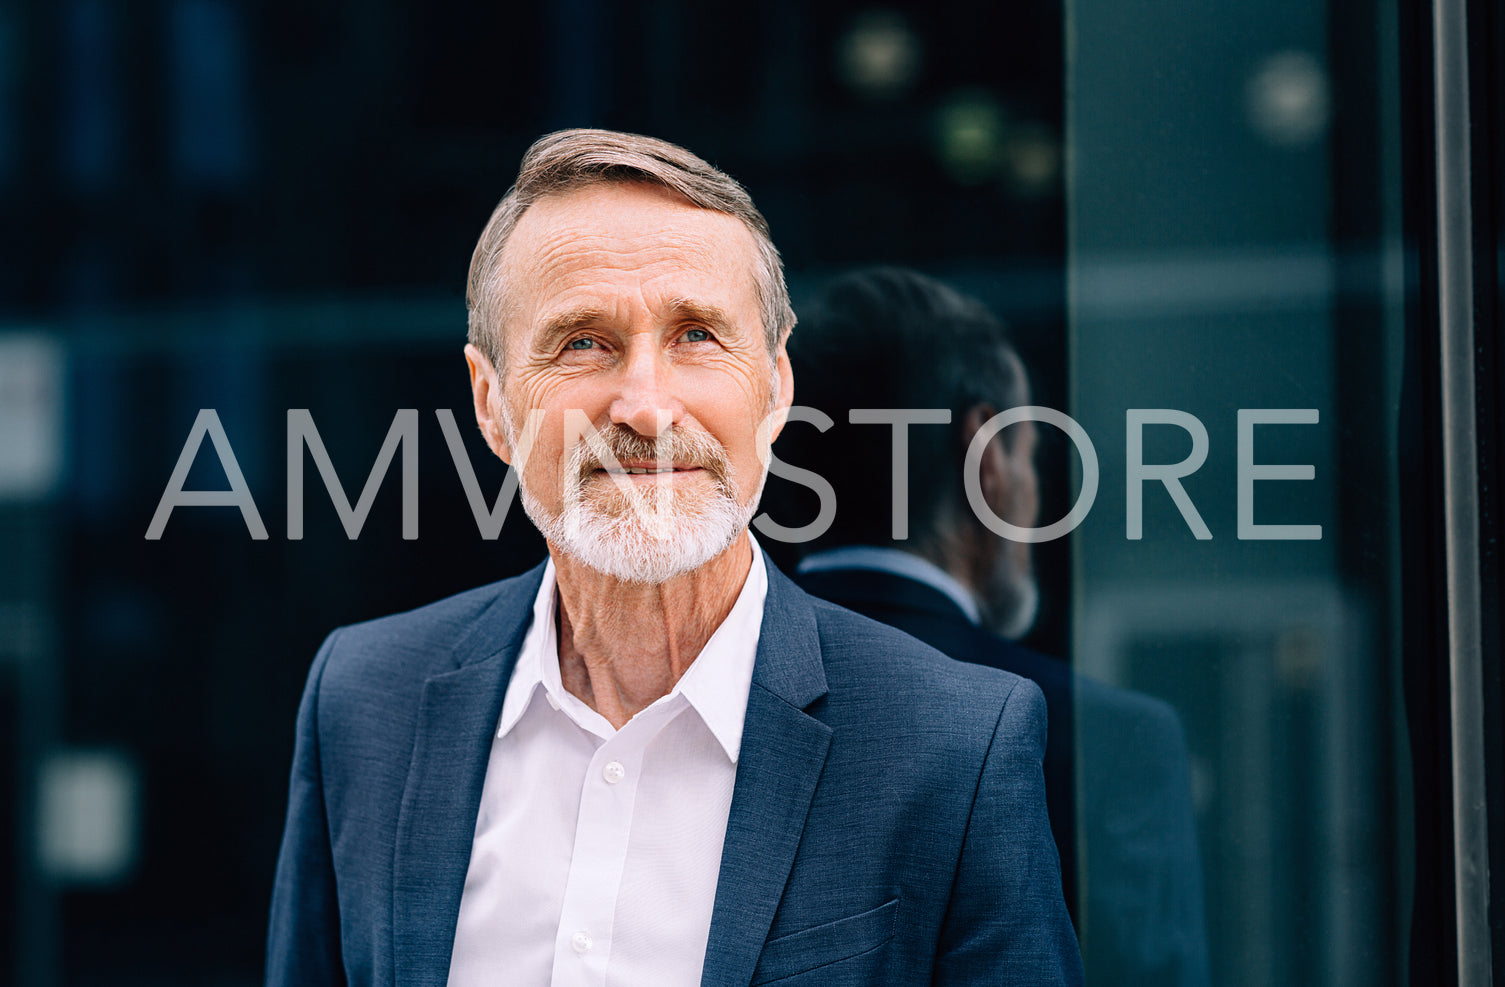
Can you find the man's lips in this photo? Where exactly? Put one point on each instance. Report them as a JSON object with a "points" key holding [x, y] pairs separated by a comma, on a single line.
{"points": [[647, 469], [650, 466]]}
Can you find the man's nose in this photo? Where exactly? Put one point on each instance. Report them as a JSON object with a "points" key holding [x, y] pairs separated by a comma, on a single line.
{"points": [[645, 399]]}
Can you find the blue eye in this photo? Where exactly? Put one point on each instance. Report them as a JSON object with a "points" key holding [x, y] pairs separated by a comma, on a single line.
{"points": [[697, 335], [583, 343]]}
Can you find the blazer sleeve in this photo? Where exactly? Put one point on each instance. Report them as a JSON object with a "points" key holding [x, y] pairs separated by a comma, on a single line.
{"points": [[1006, 922], [303, 936]]}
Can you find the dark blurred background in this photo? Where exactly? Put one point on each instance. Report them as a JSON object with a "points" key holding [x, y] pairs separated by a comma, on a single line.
{"points": [[253, 207]]}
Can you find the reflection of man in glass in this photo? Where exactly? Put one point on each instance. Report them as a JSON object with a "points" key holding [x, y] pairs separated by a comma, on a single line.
{"points": [[653, 760], [1116, 767]]}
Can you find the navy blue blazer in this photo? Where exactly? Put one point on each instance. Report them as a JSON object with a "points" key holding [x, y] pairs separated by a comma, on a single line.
{"points": [[887, 824]]}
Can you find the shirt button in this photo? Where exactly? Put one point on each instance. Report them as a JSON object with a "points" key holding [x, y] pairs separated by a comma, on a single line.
{"points": [[613, 772], [582, 943]]}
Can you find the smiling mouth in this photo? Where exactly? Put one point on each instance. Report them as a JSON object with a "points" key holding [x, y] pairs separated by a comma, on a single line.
{"points": [[647, 470]]}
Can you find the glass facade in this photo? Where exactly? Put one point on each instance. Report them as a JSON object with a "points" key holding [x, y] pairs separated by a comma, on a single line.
{"points": [[1226, 240], [1237, 299]]}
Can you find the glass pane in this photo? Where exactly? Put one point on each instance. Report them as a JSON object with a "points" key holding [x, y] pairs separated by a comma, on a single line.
{"points": [[1235, 294], [1186, 213]]}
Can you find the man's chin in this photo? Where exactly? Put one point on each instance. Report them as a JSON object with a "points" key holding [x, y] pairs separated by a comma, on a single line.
{"points": [[645, 548], [641, 556]]}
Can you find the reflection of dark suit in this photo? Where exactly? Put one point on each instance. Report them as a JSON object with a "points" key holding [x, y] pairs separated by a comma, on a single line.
{"points": [[886, 825], [1126, 819]]}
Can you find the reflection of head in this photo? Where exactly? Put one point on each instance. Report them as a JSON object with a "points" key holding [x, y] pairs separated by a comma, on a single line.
{"points": [[892, 338], [571, 160]]}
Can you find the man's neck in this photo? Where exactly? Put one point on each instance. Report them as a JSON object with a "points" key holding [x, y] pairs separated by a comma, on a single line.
{"points": [[624, 645]]}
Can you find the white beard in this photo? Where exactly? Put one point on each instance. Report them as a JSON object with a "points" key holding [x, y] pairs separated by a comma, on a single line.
{"points": [[648, 534]]}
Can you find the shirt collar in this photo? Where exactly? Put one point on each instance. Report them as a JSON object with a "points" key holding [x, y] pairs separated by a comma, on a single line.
{"points": [[899, 563], [541, 638], [716, 684]]}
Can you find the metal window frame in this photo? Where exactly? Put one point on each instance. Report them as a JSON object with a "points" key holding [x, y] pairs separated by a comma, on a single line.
{"points": [[1456, 326]]}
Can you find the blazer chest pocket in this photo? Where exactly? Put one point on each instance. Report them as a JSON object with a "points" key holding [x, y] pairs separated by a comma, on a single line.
{"points": [[811, 950]]}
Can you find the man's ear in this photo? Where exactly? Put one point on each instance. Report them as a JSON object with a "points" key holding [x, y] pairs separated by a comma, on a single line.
{"points": [[993, 468], [784, 373], [1006, 474], [486, 392]]}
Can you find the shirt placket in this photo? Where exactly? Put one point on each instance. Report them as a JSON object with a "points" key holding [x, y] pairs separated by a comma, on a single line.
{"points": [[582, 947]]}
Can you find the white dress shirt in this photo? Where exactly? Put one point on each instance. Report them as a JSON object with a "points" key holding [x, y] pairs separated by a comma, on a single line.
{"points": [[597, 850]]}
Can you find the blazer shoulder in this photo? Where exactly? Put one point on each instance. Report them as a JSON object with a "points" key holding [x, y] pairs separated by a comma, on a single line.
{"points": [[417, 644]]}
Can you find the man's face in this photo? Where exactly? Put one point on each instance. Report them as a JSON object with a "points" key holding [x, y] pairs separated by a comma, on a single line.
{"points": [[635, 312], [1011, 599]]}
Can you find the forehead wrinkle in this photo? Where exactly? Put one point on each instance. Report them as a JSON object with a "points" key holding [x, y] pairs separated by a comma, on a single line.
{"points": [[578, 247], [697, 284], [574, 250], [674, 229]]}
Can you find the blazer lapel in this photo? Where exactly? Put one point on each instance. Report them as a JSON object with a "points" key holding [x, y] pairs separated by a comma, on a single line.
{"points": [[457, 716], [783, 752]]}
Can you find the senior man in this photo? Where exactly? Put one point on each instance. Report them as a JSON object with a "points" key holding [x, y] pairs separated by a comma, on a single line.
{"points": [[653, 760]]}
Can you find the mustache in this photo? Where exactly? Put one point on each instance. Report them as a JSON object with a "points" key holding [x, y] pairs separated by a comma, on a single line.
{"points": [[679, 446]]}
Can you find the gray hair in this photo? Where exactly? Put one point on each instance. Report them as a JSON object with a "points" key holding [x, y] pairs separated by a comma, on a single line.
{"points": [[570, 160]]}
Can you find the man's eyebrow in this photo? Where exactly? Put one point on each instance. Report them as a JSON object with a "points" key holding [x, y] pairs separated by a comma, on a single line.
{"points": [[565, 323], [713, 318]]}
